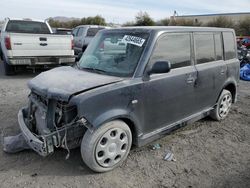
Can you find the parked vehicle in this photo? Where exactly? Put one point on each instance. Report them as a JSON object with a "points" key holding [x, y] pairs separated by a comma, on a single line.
{"points": [[31, 43], [83, 34], [165, 78]]}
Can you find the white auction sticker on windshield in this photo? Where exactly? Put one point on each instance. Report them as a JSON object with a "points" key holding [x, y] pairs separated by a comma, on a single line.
{"points": [[133, 40]]}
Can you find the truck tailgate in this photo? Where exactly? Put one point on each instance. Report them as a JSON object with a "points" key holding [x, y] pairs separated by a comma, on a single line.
{"points": [[25, 45]]}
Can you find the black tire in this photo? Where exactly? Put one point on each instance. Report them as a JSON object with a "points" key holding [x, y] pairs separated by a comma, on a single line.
{"points": [[223, 106], [8, 69], [92, 142]]}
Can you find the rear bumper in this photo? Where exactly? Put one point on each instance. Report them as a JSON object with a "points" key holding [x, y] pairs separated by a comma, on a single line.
{"points": [[42, 145], [41, 60]]}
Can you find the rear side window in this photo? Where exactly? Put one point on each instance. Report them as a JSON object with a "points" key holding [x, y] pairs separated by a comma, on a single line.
{"points": [[229, 45], [204, 47], [92, 31], [80, 31], [174, 48], [218, 46], [21, 26]]}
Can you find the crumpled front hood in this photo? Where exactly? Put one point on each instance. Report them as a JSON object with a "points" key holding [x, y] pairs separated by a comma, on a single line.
{"points": [[60, 83]]}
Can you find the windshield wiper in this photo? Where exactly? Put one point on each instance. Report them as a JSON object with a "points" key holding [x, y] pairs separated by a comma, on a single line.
{"points": [[94, 69]]}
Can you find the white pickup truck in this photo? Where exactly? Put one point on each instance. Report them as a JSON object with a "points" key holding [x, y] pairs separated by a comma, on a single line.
{"points": [[31, 43]]}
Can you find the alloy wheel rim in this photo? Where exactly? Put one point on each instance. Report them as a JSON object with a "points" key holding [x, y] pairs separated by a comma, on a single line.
{"points": [[225, 105], [112, 147]]}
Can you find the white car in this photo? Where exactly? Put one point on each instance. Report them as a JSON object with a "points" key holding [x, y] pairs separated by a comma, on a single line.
{"points": [[31, 43]]}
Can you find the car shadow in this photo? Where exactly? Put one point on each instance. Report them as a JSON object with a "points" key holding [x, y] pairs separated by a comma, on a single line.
{"points": [[24, 73], [29, 163]]}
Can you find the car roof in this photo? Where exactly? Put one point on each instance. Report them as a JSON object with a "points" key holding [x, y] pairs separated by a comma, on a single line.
{"points": [[174, 28]]}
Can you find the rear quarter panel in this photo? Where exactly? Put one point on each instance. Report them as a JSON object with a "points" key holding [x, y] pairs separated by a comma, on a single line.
{"points": [[233, 69]]}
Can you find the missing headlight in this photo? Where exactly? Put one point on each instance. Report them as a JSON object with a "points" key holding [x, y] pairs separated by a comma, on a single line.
{"points": [[65, 114]]}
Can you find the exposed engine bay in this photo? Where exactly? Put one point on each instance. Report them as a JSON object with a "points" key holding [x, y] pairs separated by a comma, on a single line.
{"points": [[52, 123]]}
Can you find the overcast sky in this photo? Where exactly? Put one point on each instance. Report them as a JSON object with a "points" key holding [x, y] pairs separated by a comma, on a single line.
{"points": [[118, 11]]}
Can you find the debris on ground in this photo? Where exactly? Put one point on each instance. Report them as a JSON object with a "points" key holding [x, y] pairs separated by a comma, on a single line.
{"points": [[156, 146], [245, 72], [33, 175], [169, 156], [14, 144]]}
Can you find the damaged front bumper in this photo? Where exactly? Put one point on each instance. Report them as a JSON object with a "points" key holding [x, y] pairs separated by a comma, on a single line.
{"points": [[67, 137], [40, 144]]}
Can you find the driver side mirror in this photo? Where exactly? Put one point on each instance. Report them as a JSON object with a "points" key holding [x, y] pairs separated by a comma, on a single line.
{"points": [[160, 67]]}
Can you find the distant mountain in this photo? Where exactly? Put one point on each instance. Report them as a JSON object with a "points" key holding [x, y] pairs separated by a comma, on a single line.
{"points": [[64, 19]]}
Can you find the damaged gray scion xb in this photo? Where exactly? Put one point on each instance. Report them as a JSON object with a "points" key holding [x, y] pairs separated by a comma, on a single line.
{"points": [[131, 86]]}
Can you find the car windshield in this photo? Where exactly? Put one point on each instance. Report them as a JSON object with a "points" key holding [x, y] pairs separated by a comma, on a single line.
{"points": [[114, 53], [22, 26]]}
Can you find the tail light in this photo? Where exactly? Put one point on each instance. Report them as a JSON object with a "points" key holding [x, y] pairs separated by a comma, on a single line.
{"points": [[7, 43], [72, 45]]}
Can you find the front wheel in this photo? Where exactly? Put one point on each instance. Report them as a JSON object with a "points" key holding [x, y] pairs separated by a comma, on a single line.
{"points": [[223, 106], [107, 147]]}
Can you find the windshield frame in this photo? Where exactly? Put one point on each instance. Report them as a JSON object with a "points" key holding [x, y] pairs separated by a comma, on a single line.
{"points": [[125, 32]]}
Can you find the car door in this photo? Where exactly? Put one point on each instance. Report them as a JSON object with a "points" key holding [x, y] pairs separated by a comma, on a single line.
{"points": [[169, 97], [210, 66], [79, 40]]}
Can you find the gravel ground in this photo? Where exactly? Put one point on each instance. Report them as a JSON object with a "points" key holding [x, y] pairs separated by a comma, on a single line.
{"points": [[208, 153]]}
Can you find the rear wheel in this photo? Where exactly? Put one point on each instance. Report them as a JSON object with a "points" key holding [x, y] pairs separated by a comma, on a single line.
{"points": [[8, 69], [223, 106], [107, 147]]}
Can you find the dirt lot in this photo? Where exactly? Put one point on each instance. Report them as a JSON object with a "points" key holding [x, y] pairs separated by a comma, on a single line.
{"points": [[208, 153]]}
